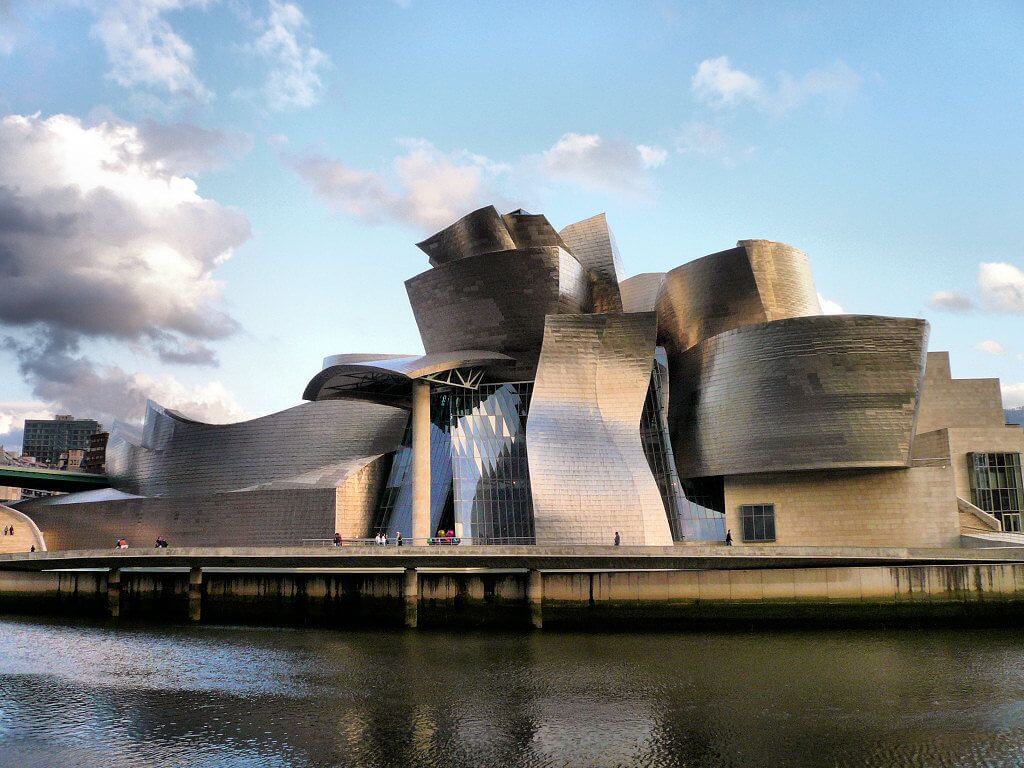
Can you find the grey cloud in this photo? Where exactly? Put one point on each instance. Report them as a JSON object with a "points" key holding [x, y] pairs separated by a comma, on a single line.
{"points": [[127, 251], [950, 301], [185, 148]]}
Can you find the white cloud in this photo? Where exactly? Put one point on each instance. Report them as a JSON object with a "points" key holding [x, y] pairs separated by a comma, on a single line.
{"points": [[294, 78], [1013, 395], [424, 187], [991, 347], [829, 307], [143, 49], [719, 84], [1001, 287], [950, 301], [98, 237], [596, 163], [651, 157]]}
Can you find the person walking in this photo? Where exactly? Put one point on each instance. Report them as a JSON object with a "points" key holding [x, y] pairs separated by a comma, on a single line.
{"points": [[618, 539], [398, 539], [728, 538], [337, 539]]}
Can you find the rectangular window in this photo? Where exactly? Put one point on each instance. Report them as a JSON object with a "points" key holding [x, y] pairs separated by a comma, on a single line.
{"points": [[996, 486], [758, 521]]}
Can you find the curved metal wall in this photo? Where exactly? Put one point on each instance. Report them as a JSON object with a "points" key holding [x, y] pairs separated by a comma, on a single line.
{"points": [[592, 243], [753, 283], [497, 301], [640, 292], [819, 392], [588, 471], [311, 445], [482, 231]]}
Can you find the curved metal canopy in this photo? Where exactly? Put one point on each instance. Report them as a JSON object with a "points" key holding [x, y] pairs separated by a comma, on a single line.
{"points": [[354, 372]]}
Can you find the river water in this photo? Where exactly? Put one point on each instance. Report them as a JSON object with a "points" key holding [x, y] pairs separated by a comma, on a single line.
{"points": [[86, 694]]}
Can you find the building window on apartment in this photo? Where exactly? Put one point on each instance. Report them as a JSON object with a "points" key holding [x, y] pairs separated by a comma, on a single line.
{"points": [[758, 522], [996, 486]]}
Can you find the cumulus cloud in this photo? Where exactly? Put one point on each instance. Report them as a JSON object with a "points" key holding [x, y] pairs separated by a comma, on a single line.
{"points": [[99, 238], [144, 50], [950, 301], [719, 84], [286, 44], [991, 347], [829, 307], [1001, 287], [1013, 395], [602, 164], [425, 187]]}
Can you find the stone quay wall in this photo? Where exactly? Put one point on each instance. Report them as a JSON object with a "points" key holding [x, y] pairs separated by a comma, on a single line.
{"points": [[635, 600]]}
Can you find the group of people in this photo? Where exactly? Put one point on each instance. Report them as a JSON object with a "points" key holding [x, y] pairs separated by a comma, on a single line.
{"points": [[445, 537], [121, 544], [381, 539], [161, 542], [8, 530]]}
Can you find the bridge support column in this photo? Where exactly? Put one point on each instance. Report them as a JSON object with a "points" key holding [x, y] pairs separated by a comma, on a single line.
{"points": [[411, 594], [535, 597], [420, 462], [195, 594], [114, 592]]}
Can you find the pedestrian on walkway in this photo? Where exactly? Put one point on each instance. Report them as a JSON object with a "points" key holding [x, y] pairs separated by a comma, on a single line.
{"points": [[618, 539], [728, 538]]}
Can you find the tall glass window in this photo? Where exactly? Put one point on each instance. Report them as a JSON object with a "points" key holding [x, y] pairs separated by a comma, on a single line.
{"points": [[996, 486], [490, 474], [688, 520], [758, 521]]}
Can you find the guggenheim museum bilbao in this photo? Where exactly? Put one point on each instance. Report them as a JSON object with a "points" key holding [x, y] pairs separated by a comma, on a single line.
{"points": [[557, 403]]}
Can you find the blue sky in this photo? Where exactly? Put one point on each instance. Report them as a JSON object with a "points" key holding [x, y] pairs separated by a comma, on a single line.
{"points": [[270, 165]]}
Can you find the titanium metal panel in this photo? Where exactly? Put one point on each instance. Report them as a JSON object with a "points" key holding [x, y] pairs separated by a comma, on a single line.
{"points": [[784, 279], [482, 231], [588, 472], [821, 392], [315, 444], [753, 283], [497, 301], [591, 241], [530, 230], [640, 292]]}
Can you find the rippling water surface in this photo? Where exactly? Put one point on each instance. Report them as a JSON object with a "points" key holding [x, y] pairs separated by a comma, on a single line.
{"points": [[92, 695]]}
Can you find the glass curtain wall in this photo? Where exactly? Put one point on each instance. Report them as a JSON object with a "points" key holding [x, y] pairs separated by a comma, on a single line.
{"points": [[996, 486], [688, 521]]}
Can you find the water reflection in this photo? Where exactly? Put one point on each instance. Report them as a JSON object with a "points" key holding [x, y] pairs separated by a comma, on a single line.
{"points": [[89, 695]]}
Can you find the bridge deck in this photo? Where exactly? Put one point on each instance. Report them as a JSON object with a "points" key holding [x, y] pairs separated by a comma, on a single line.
{"points": [[41, 479], [506, 557]]}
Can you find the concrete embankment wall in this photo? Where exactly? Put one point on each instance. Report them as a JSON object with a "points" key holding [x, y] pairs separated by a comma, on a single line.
{"points": [[991, 593]]}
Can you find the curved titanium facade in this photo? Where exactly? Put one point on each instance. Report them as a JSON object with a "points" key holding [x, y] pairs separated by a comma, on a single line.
{"points": [[640, 292], [588, 472], [313, 445], [756, 282], [497, 301], [592, 243], [820, 392], [482, 231]]}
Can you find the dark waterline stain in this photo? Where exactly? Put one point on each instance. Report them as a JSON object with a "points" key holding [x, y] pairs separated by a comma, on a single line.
{"points": [[84, 694]]}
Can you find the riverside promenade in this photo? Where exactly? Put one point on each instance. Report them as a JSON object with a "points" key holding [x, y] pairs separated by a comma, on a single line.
{"points": [[522, 585]]}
